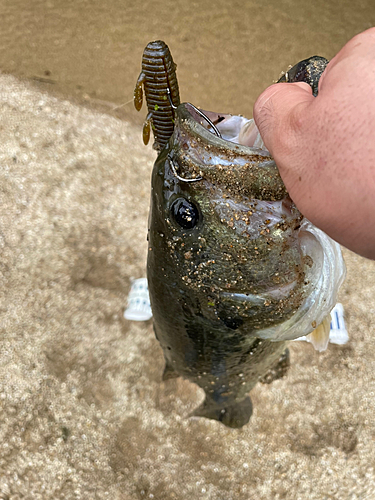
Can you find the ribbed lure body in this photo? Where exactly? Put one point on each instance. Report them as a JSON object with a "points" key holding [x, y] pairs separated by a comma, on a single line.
{"points": [[159, 81]]}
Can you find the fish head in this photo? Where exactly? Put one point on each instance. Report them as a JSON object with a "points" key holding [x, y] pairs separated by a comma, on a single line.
{"points": [[224, 231]]}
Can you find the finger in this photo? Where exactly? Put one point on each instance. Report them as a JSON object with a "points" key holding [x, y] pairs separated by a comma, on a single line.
{"points": [[278, 114]]}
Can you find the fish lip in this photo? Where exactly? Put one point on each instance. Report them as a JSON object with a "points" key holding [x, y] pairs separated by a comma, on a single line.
{"points": [[191, 120], [198, 154]]}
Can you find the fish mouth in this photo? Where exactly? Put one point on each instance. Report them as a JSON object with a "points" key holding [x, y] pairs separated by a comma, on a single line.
{"points": [[232, 128], [226, 150]]}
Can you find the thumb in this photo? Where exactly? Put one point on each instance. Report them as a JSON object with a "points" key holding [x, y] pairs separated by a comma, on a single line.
{"points": [[277, 114]]}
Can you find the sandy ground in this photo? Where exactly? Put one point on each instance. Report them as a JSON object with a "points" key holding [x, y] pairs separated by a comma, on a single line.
{"points": [[91, 49], [83, 411]]}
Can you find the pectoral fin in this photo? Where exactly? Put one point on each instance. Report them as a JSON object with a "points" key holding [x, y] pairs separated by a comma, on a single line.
{"points": [[169, 372], [320, 336]]}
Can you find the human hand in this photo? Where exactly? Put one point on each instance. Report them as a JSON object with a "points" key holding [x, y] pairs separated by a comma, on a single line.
{"points": [[324, 146]]}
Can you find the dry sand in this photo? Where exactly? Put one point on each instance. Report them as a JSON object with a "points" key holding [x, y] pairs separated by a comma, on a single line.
{"points": [[83, 413]]}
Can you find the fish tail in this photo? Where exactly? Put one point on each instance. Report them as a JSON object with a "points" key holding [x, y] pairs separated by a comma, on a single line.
{"points": [[235, 415]]}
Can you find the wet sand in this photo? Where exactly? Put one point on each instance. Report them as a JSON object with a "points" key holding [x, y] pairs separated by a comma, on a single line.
{"points": [[83, 413], [225, 55]]}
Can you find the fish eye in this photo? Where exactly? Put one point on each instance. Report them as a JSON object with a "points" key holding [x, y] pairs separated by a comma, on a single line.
{"points": [[185, 213]]}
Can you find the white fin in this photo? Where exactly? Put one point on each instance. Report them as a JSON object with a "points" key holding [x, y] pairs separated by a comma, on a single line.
{"points": [[320, 336], [338, 334]]}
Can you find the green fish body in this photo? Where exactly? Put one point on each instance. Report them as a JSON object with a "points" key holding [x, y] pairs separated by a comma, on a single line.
{"points": [[234, 270]]}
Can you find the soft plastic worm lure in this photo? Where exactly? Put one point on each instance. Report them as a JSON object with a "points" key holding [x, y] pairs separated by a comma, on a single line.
{"points": [[158, 78]]}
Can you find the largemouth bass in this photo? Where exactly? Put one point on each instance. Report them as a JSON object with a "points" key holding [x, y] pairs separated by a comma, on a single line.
{"points": [[234, 269]]}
